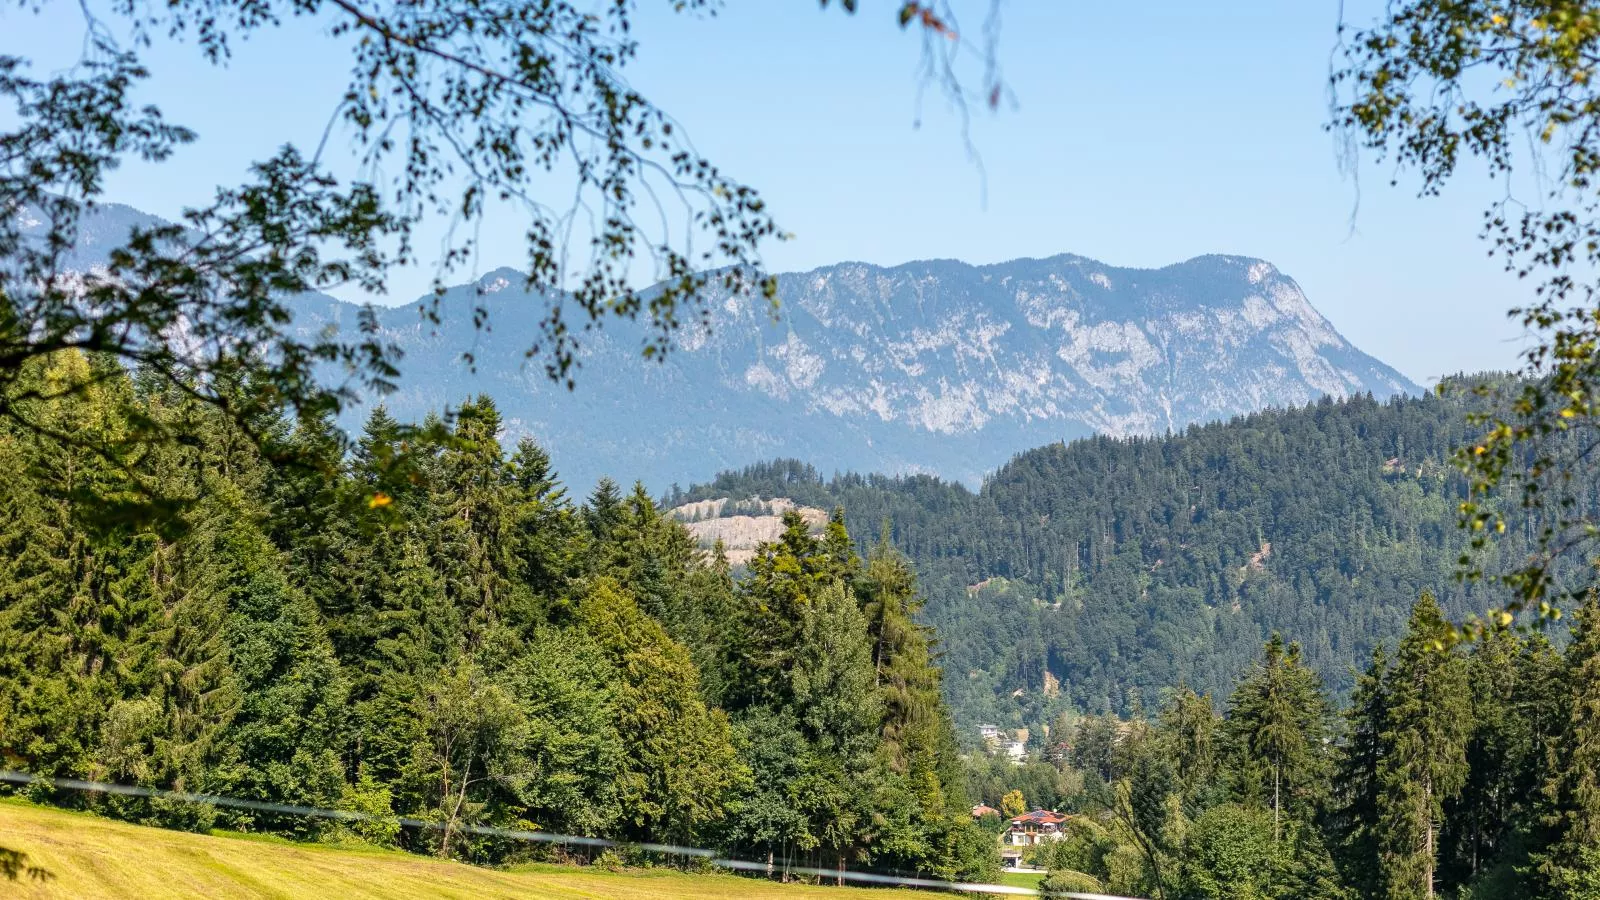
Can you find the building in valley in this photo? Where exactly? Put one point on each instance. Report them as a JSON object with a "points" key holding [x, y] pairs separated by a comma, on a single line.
{"points": [[1034, 828]]}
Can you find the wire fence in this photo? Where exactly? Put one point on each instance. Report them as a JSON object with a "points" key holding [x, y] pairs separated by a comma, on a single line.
{"points": [[542, 837]]}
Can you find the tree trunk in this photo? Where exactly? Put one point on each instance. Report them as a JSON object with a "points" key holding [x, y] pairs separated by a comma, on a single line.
{"points": [[444, 800], [455, 811], [1277, 805], [1427, 794]]}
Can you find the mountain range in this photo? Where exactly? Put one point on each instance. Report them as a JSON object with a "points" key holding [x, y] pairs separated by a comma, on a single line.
{"points": [[927, 367]]}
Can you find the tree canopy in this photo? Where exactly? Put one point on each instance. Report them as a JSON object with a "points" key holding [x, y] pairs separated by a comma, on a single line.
{"points": [[489, 654]]}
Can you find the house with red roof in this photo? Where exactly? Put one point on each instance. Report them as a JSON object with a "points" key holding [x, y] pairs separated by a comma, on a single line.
{"points": [[1030, 829]]}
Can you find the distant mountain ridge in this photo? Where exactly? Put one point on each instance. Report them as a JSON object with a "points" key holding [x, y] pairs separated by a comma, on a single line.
{"points": [[932, 366]]}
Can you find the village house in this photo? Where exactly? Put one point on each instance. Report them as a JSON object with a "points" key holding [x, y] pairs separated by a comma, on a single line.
{"points": [[1017, 746], [1031, 829], [1013, 744]]}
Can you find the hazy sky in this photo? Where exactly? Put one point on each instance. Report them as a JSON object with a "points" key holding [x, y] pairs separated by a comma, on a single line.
{"points": [[1142, 135]]}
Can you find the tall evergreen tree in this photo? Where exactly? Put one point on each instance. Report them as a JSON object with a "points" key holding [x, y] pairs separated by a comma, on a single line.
{"points": [[1424, 752], [603, 509], [1481, 822], [1189, 726], [1570, 867], [284, 742], [784, 577], [1277, 727], [680, 768], [1354, 820]]}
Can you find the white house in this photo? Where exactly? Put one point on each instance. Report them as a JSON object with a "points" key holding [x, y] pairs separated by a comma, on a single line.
{"points": [[1031, 829]]}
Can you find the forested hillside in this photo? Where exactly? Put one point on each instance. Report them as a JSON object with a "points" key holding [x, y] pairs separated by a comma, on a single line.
{"points": [[1099, 573], [1462, 772], [439, 632]]}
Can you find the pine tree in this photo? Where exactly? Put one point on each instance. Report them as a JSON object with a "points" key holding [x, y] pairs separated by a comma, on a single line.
{"points": [[709, 628], [476, 498], [784, 576], [1423, 762], [74, 617], [284, 742], [838, 557], [603, 510], [1480, 823], [1188, 728], [1277, 723], [916, 736], [1354, 820], [545, 522], [680, 764], [901, 656], [1570, 867]]}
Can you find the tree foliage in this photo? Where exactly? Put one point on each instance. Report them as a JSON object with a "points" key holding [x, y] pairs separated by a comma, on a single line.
{"points": [[1456, 771], [1431, 84], [478, 651]]}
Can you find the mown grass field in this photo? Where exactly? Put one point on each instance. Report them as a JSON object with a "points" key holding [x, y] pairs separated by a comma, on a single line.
{"points": [[93, 857], [1021, 879]]}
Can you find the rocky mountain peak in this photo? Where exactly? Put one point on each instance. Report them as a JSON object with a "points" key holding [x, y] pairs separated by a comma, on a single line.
{"points": [[931, 366]]}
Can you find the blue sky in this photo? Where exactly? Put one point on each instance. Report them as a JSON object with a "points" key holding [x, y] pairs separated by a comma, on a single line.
{"points": [[1142, 135]]}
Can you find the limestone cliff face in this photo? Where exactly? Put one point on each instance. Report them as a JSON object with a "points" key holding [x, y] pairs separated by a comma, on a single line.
{"points": [[936, 367], [946, 348], [741, 526], [933, 366]]}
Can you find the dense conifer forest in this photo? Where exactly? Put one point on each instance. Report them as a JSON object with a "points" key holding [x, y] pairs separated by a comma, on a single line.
{"points": [[440, 632], [428, 626], [1124, 567]]}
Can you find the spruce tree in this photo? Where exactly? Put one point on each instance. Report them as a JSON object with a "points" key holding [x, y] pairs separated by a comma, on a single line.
{"points": [[603, 510], [1480, 823], [477, 500], [1353, 823], [1570, 866], [285, 741], [545, 522], [1277, 725], [1188, 729], [60, 628], [783, 578], [1423, 762], [902, 662]]}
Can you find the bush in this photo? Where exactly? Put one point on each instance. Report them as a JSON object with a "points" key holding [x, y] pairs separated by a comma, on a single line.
{"points": [[1062, 880], [370, 797], [610, 860]]}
